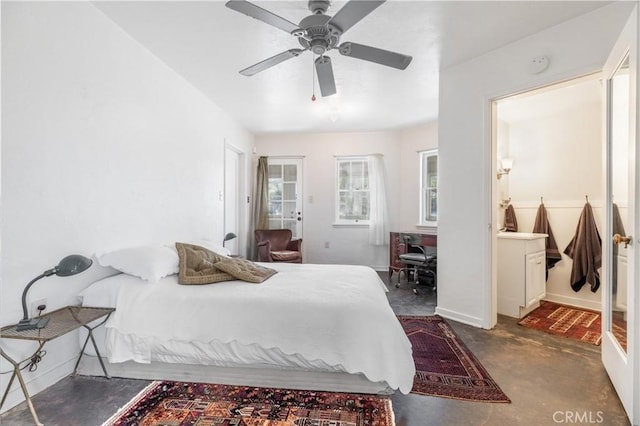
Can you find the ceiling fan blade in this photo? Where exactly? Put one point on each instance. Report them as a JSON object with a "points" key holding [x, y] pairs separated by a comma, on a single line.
{"points": [[352, 12], [325, 76], [374, 54], [263, 15], [268, 63]]}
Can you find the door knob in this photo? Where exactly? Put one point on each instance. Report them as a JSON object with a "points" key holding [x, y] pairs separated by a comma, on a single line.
{"points": [[617, 239]]}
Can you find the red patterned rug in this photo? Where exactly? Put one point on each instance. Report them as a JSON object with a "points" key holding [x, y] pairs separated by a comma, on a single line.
{"points": [[181, 404], [445, 367], [568, 321]]}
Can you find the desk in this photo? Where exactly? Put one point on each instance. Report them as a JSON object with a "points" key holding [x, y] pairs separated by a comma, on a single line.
{"points": [[398, 247], [61, 321]]}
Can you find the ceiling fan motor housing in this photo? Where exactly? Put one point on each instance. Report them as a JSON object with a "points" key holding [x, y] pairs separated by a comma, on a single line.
{"points": [[319, 6], [319, 38]]}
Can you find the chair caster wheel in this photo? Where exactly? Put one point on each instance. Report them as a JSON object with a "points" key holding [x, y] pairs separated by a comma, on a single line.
{"points": [[398, 285], [415, 291]]}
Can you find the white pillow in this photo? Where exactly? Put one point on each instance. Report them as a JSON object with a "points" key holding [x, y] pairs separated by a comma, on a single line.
{"points": [[147, 262]]}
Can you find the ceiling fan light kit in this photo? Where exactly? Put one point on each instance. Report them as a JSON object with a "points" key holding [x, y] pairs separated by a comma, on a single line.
{"points": [[321, 33]]}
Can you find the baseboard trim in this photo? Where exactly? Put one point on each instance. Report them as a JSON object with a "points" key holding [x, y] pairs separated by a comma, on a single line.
{"points": [[457, 316], [574, 301]]}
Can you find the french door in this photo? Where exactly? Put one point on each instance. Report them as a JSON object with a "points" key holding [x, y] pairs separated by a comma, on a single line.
{"points": [[620, 244], [285, 194]]}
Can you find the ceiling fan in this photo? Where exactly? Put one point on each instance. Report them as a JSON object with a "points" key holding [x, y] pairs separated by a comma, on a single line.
{"points": [[320, 33]]}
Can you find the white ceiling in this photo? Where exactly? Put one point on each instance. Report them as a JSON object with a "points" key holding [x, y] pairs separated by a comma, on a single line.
{"points": [[207, 44], [552, 100]]}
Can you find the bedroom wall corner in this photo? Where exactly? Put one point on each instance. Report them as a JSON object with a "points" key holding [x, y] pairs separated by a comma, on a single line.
{"points": [[413, 140], [402, 167], [576, 47], [103, 145], [347, 245]]}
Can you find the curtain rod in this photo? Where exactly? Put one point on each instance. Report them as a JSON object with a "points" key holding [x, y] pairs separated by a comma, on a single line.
{"points": [[284, 156]]}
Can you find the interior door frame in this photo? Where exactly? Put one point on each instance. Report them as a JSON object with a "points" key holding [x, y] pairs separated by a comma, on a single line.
{"points": [[622, 368], [241, 195], [298, 160], [492, 301]]}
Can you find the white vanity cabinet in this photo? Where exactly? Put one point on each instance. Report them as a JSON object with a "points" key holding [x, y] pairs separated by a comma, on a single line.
{"points": [[521, 272]]}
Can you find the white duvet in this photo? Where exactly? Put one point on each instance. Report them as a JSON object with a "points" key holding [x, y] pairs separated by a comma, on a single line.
{"points": [[328, 317]]}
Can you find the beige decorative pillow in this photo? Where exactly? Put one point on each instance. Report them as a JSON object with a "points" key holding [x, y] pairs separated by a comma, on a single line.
{"points": [[196, 265], [245, 270]]}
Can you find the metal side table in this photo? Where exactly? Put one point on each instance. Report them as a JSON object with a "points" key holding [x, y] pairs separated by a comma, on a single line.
{"points": [[61, 321]]}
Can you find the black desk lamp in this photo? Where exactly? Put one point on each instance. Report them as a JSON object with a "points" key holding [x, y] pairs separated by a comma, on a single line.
{"points": [[70, 265], [229, 236]]}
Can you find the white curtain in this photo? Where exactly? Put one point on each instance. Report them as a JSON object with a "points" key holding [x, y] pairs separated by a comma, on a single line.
{"points": [[378, 216]]}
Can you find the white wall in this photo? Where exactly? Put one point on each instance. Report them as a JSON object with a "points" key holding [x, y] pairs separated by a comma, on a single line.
{"points": [[349, 245], [412, 141], [558, 157], [102, 145], [466, 224]]}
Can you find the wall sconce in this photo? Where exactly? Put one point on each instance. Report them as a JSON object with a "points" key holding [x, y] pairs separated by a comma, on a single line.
{"points": [[507, 164]]}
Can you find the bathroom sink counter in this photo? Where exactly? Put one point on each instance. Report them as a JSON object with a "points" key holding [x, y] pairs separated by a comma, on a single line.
{"points": [[521, 235]]}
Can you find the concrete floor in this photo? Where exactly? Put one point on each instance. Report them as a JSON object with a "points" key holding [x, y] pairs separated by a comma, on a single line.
{"points": [[550, 380]]}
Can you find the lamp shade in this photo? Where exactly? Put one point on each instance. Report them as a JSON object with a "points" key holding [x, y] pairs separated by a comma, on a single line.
{"points": [[71, 265], [229, 236]]}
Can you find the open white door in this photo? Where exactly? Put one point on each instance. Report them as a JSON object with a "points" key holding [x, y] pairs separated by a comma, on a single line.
{"points": [[620, 241]]}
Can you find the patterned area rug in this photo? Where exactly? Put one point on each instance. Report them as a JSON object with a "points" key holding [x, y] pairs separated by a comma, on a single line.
{"points": [[444, 365], [568, 321], [177, 403]]}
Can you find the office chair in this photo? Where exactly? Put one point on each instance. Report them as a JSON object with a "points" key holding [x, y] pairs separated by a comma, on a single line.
{"points": [[421, 263]]}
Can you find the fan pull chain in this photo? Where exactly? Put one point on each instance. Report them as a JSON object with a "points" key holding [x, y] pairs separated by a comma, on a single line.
{"points": [[313, 81]]}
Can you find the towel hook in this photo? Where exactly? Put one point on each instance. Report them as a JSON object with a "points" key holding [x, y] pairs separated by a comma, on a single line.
{"points": [[541, 202], [586, 197]]}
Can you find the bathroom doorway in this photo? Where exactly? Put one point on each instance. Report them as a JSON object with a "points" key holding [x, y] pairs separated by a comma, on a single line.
{"points": [[548, 149]]}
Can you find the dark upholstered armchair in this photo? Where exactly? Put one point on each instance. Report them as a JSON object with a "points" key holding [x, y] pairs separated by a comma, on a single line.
{"points": [[276, 245]]}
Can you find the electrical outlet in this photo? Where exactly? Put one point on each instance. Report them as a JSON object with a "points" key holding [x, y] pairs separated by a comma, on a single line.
{"points": [[34, 312]]}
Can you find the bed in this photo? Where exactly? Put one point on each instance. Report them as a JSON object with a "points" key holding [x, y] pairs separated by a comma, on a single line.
{"points": [[317, 327]]}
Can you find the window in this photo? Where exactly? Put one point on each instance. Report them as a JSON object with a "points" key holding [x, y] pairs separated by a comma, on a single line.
{"points": [[429, 188], [352, 191]]}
